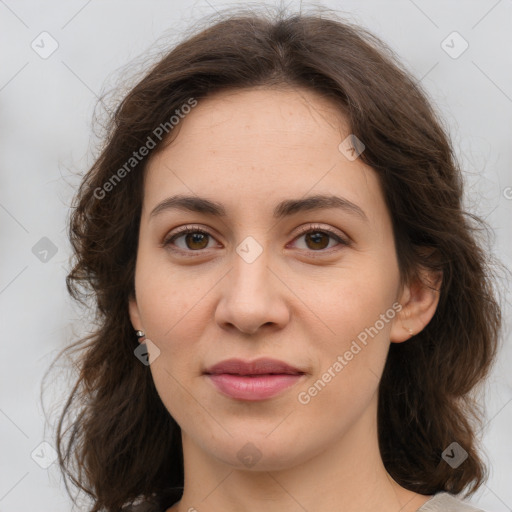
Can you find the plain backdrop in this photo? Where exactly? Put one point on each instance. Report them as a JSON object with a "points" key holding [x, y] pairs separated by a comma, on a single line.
{"points": [[58, 57]]}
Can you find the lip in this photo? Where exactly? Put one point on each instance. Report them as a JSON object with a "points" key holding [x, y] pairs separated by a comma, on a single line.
{"points": [[262, 366], [253, 380]]}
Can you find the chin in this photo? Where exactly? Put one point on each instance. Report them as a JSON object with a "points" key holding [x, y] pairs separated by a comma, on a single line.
{"points": [[260, 453]]}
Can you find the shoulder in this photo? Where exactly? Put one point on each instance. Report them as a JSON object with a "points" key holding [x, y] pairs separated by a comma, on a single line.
{"points": [[446, 502]]}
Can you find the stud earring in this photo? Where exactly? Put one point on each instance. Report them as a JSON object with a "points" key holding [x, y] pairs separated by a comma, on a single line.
{"points": [[140, 334]]}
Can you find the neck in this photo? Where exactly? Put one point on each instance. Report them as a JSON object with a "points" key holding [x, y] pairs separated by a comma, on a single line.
{"points": [[348, 475]]}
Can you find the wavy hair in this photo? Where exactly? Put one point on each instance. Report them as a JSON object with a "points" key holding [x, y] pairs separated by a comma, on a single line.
{"points": [[123, 446]]}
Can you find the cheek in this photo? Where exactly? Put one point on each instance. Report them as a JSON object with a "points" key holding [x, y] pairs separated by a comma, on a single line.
{"points": [[359, 311], [360, 296], [173, 318], [169, 300], [351, 364], [174, 321]]}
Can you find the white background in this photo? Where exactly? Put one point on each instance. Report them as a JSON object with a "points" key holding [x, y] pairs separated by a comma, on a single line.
{"points": [[46, 108]]}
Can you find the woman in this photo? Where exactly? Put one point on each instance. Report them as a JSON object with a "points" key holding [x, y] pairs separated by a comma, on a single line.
{"points": [[293, 306]]}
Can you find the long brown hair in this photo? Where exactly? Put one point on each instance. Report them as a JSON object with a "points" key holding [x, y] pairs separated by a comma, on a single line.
{"points": [[123, 445]]}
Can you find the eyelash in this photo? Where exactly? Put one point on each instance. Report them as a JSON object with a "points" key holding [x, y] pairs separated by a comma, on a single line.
{"points": [[303, 231]]}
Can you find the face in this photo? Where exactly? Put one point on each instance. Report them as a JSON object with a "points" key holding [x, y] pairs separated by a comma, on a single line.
{"points": [[315, 288]]}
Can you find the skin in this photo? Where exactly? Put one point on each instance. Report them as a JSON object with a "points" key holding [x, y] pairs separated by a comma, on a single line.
{"points": [[298, 302]]}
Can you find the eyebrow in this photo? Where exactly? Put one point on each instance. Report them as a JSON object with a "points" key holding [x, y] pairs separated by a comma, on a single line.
{"points": [[283, 209]]}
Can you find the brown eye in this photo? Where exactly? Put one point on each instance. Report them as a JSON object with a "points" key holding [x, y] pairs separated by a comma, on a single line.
{"points": [[317, 240], [194, 239]]}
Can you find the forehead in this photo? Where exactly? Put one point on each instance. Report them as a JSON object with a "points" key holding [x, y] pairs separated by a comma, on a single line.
{"points": [[295, 116], [258, 146]]}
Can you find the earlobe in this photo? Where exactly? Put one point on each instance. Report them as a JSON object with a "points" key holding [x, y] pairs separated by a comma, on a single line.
{"points": [[419, 302]]}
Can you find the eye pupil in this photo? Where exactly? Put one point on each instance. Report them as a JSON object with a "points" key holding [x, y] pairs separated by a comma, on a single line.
{"points": [[315, 237]]}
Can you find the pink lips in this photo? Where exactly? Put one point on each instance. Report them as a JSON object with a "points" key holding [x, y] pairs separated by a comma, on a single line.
{"points": [[253, 380]]}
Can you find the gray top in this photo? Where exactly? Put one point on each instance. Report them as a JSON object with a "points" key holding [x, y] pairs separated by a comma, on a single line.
{"points": [[446, 502]]}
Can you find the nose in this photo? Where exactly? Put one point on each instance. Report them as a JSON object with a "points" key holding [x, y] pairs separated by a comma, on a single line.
{"points": [[253, 297]]}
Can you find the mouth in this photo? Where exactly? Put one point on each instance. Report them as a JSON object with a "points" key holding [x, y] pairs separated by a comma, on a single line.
{"points": [[253, 380], [262, 366]]}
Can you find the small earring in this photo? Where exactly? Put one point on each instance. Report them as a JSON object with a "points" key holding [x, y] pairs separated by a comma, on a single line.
{"points": [[410, 331], [140, 334]]}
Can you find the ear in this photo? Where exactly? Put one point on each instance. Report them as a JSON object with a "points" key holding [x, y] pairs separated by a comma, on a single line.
{"points": [[419, 300], [133, 309]]}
